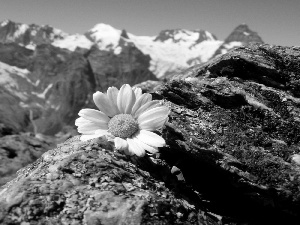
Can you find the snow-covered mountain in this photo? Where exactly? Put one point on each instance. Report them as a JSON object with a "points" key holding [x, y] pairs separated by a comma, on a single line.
{"points": [[47, 75], [170, 51]]}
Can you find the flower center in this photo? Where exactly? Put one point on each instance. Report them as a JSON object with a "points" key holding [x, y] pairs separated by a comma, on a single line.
{"points": [[123, 126]]}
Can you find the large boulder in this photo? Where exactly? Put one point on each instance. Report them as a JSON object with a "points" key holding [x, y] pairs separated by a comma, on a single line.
{"points": [[90, 183], [234, 132], [232, 155]]}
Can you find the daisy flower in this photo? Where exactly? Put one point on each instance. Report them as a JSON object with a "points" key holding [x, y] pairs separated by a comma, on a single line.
{"points": [[126, 117]]}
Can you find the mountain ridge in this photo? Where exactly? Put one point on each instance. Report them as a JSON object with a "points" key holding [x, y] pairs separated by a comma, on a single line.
{"points": [[170, 51]]}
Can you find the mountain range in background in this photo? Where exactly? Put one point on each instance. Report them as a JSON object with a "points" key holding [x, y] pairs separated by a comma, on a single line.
{"points": [[47, 75]]}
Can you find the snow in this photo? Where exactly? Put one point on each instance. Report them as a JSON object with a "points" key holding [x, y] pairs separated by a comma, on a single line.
{"points": [[186, 36], [4, 22], [18, 71], [30, 46], [43, 94], [117, 50], [209, 35], [58, 34], [71, 42], [171, 56], [8, 82], [105, 36], [21, 30], [246, 33], [231, 45]]}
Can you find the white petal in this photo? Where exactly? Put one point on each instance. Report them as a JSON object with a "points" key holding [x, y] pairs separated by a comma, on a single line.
{"points": [[126, 99], [152, 125], [145, 146], [112, 93], [81, 121], [120, 143], [153, 119], [141, 101], [146, 107], [88, 128], [150, 138], [137, 91], [101, 132], [135, 148], [94, 115], [88, 137], [103, 103]]}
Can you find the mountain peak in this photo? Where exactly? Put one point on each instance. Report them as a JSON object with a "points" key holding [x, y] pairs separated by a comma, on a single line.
{"points": [[124, 34], [104, 28], [5, 22], [106, 36], [243, 33]]}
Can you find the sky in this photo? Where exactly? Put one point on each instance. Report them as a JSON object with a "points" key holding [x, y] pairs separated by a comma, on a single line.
{"points": [[276, 21]]}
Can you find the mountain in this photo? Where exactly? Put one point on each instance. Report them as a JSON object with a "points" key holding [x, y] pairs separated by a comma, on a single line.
{"points": [[29, 35], [241, 35], [49, 90], [47, 75]]}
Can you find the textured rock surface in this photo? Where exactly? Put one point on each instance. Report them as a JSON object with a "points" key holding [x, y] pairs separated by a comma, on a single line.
{"points": [[16, 151], [149, 86], [89, 183], [235, 131], [232, 155]]}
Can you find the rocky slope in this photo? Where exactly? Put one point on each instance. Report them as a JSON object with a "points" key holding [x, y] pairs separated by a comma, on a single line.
{"points": [[18, 150], [232, 155], [47, 92]]}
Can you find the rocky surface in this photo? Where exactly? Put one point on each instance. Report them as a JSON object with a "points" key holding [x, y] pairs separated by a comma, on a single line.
{"points": [[150, 86], [17, 151], [90, 183], [232, 155]]}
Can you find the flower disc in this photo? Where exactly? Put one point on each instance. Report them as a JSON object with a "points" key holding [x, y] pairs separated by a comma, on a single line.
{"points": [[123, 126]]}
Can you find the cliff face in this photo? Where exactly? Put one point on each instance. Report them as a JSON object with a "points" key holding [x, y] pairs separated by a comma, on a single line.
{"points": [[232, 155]]}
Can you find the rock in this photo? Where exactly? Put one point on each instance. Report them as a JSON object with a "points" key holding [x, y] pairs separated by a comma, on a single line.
{"points": [[13, 117], [5, 130], [234, 133], [90, 183], [18, 150], [231, 155], [149, 86]]}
